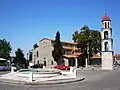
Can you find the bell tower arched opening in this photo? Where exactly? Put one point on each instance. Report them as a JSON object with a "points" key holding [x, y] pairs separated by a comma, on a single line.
{"points": [[106, 35], [105, 24]]}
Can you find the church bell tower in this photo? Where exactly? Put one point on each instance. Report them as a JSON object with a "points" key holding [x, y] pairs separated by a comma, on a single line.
{"points": [[107, 44]]}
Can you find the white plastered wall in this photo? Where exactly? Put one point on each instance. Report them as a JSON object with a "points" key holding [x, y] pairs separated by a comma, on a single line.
{"points": [[107, 60]]}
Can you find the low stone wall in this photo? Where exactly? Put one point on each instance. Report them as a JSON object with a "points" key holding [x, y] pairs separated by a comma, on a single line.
{"points": [[90, 68]]}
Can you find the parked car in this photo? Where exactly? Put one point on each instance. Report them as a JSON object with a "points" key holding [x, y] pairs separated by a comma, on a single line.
{"points": [[37, 66], [62, 67]]}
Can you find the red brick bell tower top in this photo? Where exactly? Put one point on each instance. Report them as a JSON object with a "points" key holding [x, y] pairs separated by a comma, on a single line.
{"points": [[106, 18]]}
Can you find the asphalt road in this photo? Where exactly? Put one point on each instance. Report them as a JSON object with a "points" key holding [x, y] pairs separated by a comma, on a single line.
{"points": [[97, 80]]}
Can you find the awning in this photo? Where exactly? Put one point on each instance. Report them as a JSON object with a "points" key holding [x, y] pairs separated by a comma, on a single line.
{"points": [[70, 56]]}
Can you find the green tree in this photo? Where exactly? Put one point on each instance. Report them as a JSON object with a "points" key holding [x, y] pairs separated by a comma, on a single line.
{"points": [[5, 49], [89, 42], [57, 53], [75, 36], [20, 60]]}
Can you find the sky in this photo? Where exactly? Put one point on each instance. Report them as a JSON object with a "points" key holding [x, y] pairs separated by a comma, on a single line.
{"points": [[25, 22]]}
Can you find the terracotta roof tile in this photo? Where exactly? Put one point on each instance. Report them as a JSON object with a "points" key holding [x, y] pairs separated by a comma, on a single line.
{"points": [[54, 40], [65, 47]]}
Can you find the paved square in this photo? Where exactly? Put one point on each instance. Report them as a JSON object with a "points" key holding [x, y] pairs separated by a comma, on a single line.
{"points": [[95, 80]]}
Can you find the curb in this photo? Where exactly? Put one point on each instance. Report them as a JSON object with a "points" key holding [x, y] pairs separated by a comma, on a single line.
{"points": [[50, 82]]}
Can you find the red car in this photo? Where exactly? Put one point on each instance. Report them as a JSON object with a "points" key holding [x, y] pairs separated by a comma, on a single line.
{"points": [[62, 67]]}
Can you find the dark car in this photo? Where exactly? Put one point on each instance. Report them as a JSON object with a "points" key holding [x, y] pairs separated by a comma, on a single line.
{"points": [[37, 66]]}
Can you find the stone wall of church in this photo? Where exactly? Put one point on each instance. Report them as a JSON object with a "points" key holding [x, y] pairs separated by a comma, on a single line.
{"points": [[44, 53]]}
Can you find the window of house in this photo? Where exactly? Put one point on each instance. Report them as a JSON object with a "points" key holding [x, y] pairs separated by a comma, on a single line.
{"points": [[37, 53], [108, 24]]}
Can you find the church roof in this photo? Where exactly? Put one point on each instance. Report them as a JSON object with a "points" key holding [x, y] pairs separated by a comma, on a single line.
{"points": [[54, 40]]}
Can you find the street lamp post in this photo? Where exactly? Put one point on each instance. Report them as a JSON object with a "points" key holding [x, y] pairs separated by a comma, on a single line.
{"points": [[88, 57]]}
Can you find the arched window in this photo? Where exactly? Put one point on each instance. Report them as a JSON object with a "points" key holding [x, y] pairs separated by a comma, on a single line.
{"points": [[44, 63], [37, 53], [106, 35], [37, 62], [106, 46], [105, 25], [51, 62]]}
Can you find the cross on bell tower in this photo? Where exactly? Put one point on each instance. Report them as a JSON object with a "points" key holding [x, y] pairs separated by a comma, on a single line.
{"points": [[107, 43]]}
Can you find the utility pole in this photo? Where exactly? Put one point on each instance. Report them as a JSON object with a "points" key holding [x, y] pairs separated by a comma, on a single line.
{"points": [[87, 59], [88, 52]]}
